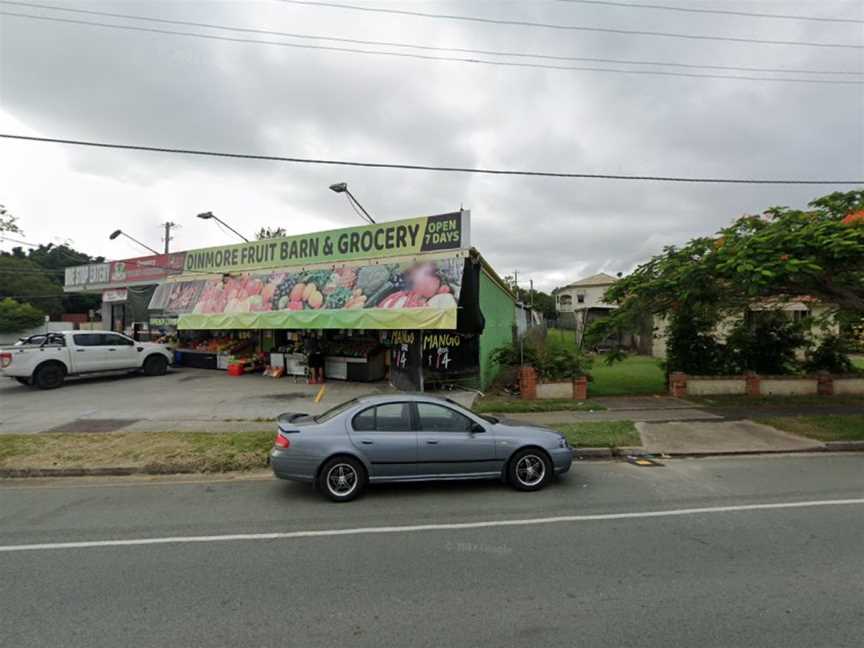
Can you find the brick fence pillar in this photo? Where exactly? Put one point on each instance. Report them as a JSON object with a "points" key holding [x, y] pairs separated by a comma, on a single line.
{"points": [[678, 384], [753, 386], [824, 384], [580, 388], [528, 383]]}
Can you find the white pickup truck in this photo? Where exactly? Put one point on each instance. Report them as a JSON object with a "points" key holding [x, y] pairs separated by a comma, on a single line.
{"points": [[46, 360]]}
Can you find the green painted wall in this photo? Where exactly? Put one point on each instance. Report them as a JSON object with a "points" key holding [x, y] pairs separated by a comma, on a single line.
{"points": [[499, 311]]}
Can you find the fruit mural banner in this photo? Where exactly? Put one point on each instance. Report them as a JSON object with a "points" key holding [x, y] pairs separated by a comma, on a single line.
{"points": [[394, 238], [408, 295]]}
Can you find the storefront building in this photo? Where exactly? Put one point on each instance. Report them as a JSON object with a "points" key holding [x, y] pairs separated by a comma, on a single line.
{"points": [[410, 301]]}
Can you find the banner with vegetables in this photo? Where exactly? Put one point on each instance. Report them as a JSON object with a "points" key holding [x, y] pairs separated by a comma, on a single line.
{"points": [[422, 294]]}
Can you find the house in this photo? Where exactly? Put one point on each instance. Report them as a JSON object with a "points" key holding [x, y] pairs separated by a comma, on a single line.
{"points": [[581, 302], [804, 307]]}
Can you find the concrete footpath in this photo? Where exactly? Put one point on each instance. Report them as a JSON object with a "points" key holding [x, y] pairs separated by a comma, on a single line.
{"points": [[677, 427]]}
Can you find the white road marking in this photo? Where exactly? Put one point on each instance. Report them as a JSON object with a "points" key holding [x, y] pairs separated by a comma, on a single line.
{"points": [[323, 533]]}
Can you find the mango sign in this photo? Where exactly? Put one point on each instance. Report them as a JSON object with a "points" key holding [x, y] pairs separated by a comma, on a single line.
{"points": [[396, 238]]}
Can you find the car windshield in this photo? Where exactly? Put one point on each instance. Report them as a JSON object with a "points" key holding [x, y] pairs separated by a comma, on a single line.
{"points": [[335, 411]]}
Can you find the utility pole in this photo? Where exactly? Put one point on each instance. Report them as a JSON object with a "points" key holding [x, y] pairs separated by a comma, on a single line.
{"points": [[167, 238], [531, 292]]}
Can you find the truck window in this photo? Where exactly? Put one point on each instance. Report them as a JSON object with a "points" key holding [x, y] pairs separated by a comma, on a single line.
{"points": [[88, 339], [112, 339]]}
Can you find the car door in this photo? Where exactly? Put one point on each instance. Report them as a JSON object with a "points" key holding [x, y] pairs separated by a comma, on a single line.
{"points": [[121, 352], [385, 435], [89, 353], [450, 443]]}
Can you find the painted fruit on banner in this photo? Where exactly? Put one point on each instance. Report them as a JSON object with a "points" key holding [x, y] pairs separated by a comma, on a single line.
{"points": [[428, 284]]}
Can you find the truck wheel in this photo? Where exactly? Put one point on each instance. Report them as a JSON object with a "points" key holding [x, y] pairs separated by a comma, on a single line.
{"points": [[49, 376], [155, 365]]}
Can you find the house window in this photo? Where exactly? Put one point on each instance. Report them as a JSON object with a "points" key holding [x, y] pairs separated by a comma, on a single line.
{"points": [[580, 297], [566, 300]]}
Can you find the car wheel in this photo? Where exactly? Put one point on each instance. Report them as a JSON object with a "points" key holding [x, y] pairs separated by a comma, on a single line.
{"points": [[342, 479], [155, 366], [529, 470], [24, 381], [49, 376]]}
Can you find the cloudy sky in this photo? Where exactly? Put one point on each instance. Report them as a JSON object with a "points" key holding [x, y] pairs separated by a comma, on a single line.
{"points": [[65, 80]]}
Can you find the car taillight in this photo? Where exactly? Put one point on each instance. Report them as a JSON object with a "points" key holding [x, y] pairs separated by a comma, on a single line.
{"points": [[282, 441], [5, 360]]}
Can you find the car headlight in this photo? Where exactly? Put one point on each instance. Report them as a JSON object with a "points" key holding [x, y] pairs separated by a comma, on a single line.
{"points": [[563, 443]]}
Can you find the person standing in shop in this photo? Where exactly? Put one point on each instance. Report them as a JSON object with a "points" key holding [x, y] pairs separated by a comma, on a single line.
{"points": [[314, 360]]}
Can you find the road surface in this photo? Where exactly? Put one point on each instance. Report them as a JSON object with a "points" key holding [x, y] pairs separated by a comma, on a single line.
{"points": [[710, 552]]}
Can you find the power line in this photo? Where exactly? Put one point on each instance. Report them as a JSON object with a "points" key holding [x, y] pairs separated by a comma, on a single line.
{"points": [[462, 50], [723, 12], [511, 64], [556, 26], [3, 238], [425, 167]]}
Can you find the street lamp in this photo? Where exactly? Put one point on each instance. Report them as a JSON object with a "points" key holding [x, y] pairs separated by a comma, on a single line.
{"points": [[209, 215], [118, 232], [342, 187]]}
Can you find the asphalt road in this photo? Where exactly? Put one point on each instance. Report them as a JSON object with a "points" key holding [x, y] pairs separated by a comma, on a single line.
{"points": [[734, 576]]}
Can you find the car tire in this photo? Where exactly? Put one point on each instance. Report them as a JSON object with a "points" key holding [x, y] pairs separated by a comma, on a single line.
{"points": [[529, 470], [342, 479], [155, 365], [50, 375]]}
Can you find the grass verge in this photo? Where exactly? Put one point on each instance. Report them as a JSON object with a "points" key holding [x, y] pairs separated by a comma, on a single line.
{"points": [[822, 428], [503, 405], [152, 451], [600, 434]]}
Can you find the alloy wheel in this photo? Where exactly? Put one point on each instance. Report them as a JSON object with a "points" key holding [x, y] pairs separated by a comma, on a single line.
{"points": [[342, 479], [530, 470]]}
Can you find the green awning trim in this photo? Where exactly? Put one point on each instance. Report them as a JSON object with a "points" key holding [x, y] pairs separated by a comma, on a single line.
{"points": [[360, 318]]}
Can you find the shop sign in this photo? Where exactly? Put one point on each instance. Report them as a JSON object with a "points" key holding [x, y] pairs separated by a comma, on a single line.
{"points": [[163, 322], [395, 238], [144, 269], [415, 294], [93, 274], [114, 295], [448, 352]]}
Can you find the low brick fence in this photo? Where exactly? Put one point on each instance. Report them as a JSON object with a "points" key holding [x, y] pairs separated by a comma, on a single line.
{"points": [[751, 384], [532, 389]]}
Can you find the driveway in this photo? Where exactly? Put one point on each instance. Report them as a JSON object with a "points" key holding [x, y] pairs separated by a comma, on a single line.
{"points": [[185, 399]]}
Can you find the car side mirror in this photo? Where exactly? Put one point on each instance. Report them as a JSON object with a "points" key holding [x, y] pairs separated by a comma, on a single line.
{"points": [[476, 428]]}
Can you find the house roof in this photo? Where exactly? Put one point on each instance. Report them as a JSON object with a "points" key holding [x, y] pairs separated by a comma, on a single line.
{"points": [[601, 279]]}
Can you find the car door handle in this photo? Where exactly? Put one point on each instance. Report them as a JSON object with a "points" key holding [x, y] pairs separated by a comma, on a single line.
{"points": [[432, 443], [365, 442], [80, 350], [112, 349]]}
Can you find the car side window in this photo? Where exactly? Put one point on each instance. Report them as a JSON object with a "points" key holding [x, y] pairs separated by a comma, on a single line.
{"points": [[437, 418], [392, 417], [88, 339], [364, 421], [111, 339]]}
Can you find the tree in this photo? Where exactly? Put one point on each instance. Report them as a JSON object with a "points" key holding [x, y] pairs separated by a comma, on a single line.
{"points": [[8, 222], [783, 254], [25, 281], [269, 233], [16, 317]]}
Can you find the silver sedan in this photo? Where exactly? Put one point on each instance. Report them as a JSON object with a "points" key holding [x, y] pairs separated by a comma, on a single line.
{"points": [[405, 437]]}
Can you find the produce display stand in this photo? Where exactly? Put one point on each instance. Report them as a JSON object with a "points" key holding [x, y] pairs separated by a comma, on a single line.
{"points": [[197, 359]]}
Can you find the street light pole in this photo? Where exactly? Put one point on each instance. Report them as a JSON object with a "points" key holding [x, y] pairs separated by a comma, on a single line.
{"points": [[211, 215], [342, 187], [118, 232]]}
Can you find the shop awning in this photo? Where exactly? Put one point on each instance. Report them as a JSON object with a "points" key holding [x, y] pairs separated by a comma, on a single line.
{"points": [[418, 293]]}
